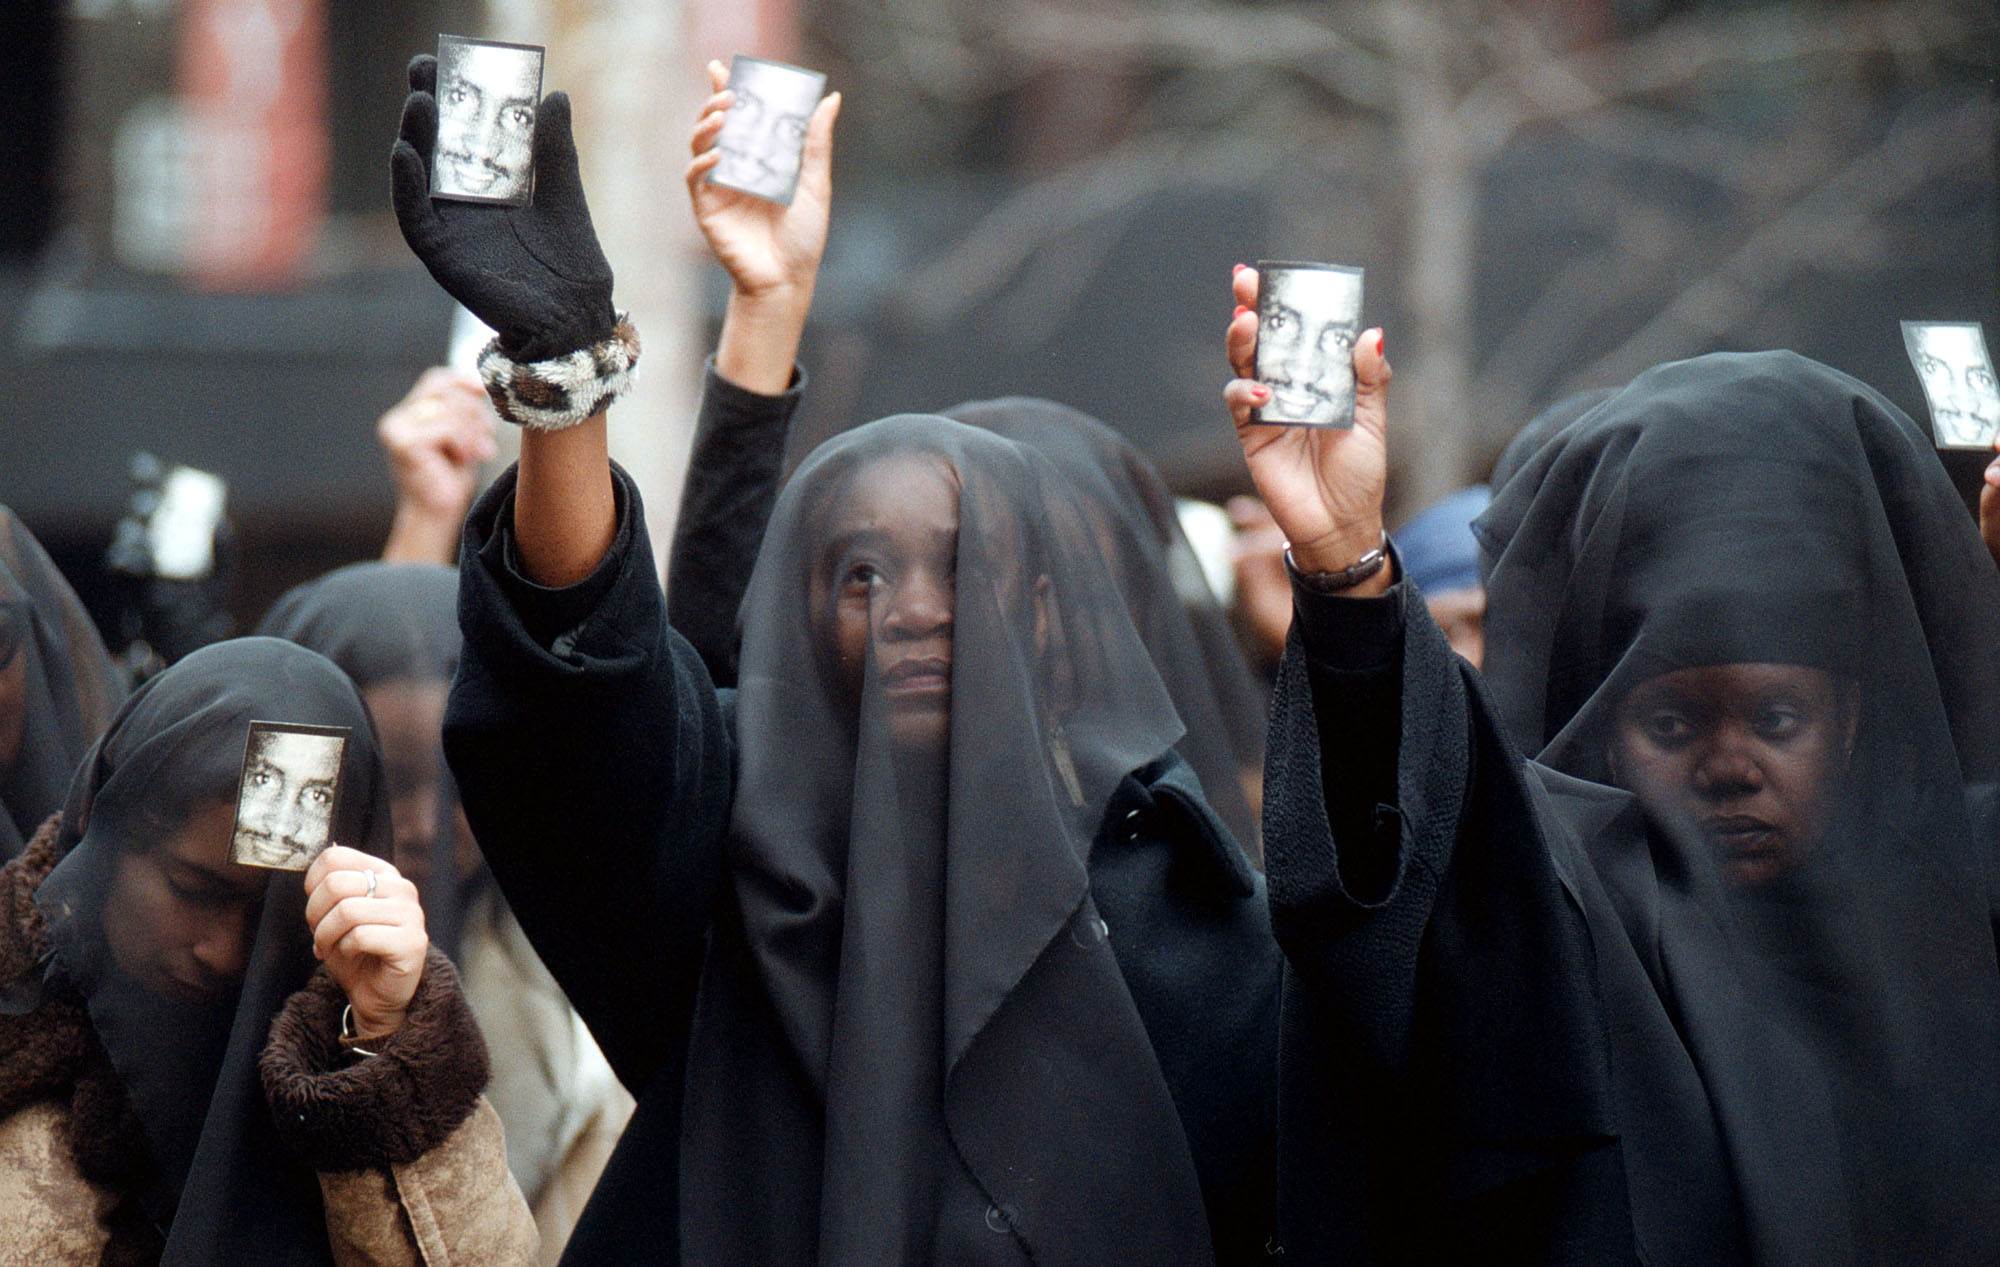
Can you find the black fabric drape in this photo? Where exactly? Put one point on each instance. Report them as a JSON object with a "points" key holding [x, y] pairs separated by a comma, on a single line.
{"points": [[1838, 1001], [931, 1025], [58, 686], [119, 913], [1185, 630]]}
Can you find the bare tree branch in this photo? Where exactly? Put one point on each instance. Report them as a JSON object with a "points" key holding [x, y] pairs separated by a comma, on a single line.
{"points": [[1529, 88], [1822, 223]]}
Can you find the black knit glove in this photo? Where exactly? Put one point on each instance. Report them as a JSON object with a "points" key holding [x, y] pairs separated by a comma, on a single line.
{"points": [[534, 273]]}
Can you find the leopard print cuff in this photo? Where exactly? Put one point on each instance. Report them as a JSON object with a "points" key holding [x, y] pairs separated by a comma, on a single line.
{"points": [[563, 390]]}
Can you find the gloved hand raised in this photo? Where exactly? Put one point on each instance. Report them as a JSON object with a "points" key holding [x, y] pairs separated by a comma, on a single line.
{"points": [[536, 273]]}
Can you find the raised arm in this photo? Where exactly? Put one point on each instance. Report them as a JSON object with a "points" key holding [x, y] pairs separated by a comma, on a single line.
{"points": [[435, 437], [537, 276], [587, 741], [1442, 1080], [771, 253]]}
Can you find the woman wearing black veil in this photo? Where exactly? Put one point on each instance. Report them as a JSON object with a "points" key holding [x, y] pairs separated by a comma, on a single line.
{"points": [[58, 686], [174, 1070], [393, 629], [920, 946], [1712, 977]]}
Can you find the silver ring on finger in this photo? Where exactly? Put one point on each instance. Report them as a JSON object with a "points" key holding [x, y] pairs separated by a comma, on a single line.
{"points": [[370, 873]]}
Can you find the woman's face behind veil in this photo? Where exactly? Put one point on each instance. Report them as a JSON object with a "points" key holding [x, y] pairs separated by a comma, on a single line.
{"points": [[883, 588], [409, 716], [180, 917], [1746, 755]]}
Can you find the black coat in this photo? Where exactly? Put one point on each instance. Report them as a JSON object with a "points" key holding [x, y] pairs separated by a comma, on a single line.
{"points": [[594, 756], [1446, 1090]]}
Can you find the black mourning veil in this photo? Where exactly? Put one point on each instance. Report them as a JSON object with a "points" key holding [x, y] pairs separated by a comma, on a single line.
{"points": [[1837, 1000], [1185, 630], [393, 628], [58, 687], [185, 1052], [913, 1036]]}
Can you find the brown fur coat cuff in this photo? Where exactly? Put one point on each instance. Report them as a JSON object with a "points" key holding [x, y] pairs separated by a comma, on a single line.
{"points": [[339, 1112]]}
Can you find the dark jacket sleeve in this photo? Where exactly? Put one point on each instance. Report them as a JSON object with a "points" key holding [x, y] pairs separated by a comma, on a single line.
{"points": [[1444, 1076], [594, 761], [732, 483]]}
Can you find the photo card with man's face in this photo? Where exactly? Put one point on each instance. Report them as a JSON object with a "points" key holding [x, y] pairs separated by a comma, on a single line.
{"points": [[488, 95], [764, 134], [1957, 373], [290, 789], [1308, 317]]}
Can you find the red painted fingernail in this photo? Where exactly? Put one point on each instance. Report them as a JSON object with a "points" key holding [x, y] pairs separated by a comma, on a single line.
{"points": [[1260, 393], [1381, 344], [1237, 268], [1240, 310]]}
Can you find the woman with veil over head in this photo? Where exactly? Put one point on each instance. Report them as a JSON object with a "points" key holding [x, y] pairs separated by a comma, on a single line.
{"points": [[58, 686], [1185, 630], [922, 945], [393, 629], [178, 1082], [727, 498], [1747, 633]]}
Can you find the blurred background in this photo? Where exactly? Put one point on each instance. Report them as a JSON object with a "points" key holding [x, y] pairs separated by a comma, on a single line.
{"points": [[197, 258]]}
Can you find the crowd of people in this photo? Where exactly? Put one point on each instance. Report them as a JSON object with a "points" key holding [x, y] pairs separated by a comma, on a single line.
{"points": [[1604, 867]]}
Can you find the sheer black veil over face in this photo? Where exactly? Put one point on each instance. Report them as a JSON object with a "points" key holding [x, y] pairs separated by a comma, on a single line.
{"points": [[1743, 590], [183, 957], [940, 689], [58, 686], [1185, 630]]}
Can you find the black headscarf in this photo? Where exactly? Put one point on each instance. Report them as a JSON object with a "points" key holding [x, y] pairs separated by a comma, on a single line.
{"points": [[57, 685], [914, 1043], [1185, 630], [223, 1190], [391, 625], [1842, 1016]]}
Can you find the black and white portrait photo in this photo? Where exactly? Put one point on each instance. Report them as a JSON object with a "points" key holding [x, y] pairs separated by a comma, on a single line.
{"points": [[1957, 374], [487, 96], [1308, 316], [284, 808], [765, 132]]}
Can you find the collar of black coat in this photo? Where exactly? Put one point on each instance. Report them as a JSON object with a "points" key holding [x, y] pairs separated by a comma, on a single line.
{"points": [[1162, 805]]}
